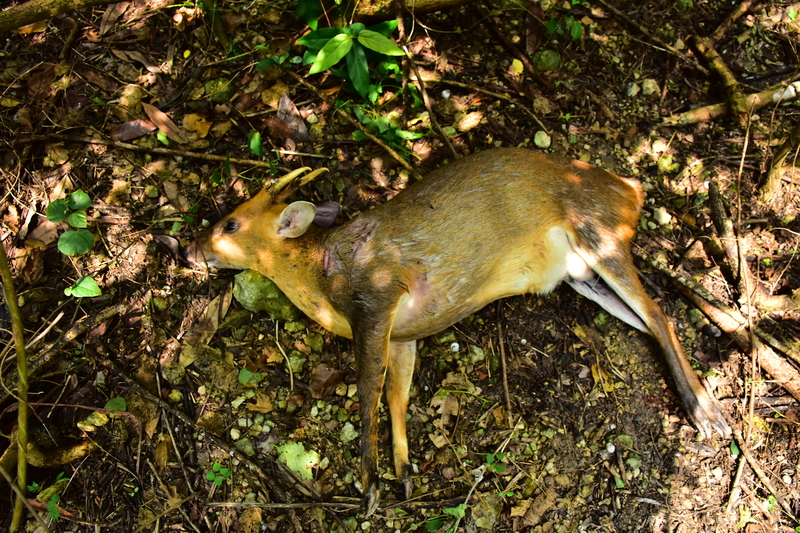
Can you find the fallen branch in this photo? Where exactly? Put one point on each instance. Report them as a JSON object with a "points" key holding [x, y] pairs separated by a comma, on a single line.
{"points": [[36, 10], [773, 95]]}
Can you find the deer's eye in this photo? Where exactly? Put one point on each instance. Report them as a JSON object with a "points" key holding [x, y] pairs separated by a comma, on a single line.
{"points": [[230, 226]]}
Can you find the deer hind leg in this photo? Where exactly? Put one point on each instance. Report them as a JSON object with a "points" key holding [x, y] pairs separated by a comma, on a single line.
{"points": [[618, 272], [401, 370]]}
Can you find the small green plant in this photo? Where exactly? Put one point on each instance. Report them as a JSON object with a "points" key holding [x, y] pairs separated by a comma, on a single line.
{"points": [[51, 495], [383, 127], [52, 507], [78, 241], [357, 45], [494, 463], [218, 474]]}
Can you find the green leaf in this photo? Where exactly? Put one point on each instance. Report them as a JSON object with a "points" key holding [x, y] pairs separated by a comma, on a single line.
{"points": [[79, 200], [265, 63], [355, 29], [76, 242], [298, 460], [332, 53], [576, 30], [85, 287], [459, 511], [118, 403], [375, 41], [77, 219], [57, 211], [255, 143], [308, 11], [162, 138], [385, 28], [358, 70], [735, 449], [317, 39], [52, 507], [249, 378], [434, 524]]}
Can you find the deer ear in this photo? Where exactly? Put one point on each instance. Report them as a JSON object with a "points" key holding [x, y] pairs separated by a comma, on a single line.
{"points": [[295, 219]]}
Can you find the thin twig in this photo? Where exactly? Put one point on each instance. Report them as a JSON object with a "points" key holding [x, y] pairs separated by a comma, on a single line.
{"points": [[349, 118], [21, 497], [427, 102], [18, 334], [501, 342]]}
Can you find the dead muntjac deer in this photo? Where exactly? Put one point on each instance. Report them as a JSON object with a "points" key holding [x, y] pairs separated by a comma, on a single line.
{"points": [[496, 224]]}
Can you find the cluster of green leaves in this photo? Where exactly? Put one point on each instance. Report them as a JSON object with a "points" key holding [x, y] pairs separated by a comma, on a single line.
{"points": [[284, 60], [51, 495], [357, 45], [382, 127], [494, 463], [567, 25], [448, 513], [218, 474], [78, 241]]}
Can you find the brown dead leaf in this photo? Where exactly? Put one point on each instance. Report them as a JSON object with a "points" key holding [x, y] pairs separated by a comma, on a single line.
{"points": [[36, 27], [40, 82], [207, 326], [263, 404], [132, 129], [199, 124], [164, 123], [162, 455], [251, 520], [544, 502], [446, 405], [111, 15], [30, 263], [324, 379]]}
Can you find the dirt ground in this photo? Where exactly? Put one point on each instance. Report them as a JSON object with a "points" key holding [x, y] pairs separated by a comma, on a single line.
{"points": [[236, 421]]}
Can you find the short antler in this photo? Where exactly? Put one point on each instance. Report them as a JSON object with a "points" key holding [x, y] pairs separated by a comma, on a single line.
{"points": [[286, 185]]}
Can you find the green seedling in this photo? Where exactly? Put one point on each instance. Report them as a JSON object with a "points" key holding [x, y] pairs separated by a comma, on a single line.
{"points": [[218, 474], [78, 241], [494, 463]]}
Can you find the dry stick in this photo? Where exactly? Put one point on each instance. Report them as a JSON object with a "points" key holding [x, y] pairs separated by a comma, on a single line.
{"points": [[773, 181], [733, 89], [36, 10], [747, 285], [774, 95], [734, 15], [774, 364], [503, 362], [731, 317], [734, 324], [216, 441], [18, 333], [133, 147], [762, 476], [163, 513], [427, 102], [397, 157]]}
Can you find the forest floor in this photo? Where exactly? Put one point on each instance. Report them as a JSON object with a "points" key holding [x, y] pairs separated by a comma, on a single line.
{"points": [[163, 404]]}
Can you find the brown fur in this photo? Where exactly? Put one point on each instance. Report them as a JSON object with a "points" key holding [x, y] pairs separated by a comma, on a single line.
{"points": [[495, 224]]}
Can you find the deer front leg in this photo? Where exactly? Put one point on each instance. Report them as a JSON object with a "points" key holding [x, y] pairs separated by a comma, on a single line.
{"points": [[371, 330], [401, 370]]}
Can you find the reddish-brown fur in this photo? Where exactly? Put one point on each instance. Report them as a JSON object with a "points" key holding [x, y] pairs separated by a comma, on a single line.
{"points": [[495, 224]]}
